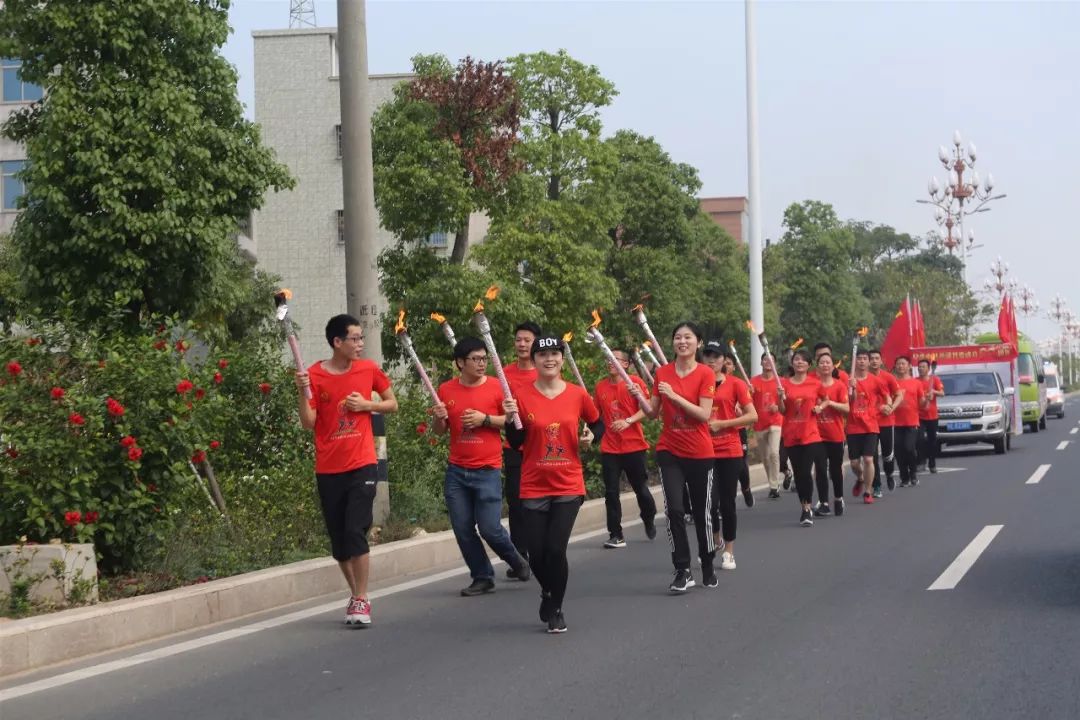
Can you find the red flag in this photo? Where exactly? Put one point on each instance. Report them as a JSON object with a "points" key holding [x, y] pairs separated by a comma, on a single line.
{"points": [[1006, 321], [1014, 333], [919, 339], [898, 340]]}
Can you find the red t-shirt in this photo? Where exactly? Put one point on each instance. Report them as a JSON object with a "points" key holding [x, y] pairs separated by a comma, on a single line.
{"points": [[479, 447], [907, 412], [515, 376], [930, 411], [764, 396], [892, 387], [343, 439], [729, 394], [614, 401], [864, 406], [550, 464], [684, 436], [800, 425], [830, 420]]}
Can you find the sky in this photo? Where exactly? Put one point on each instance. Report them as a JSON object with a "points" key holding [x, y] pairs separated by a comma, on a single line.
{"points": [[854, 100]]}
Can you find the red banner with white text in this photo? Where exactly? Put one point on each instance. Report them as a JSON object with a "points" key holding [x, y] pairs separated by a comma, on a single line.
{"points": [[965, 354]]}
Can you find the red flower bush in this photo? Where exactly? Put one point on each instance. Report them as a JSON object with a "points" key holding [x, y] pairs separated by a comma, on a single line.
{"points": [[12, 453], [115, 408], [76, 419], [199, 457], [184, 387], [57, 393], [91, 517], [14, 368], [200, 393], [421, 428], [223, 363], [218, 378], [214, 444], [128, 441], [160, 345], [264, 388], [181, 346], [72, 518], [31, 342], [134, 454]]}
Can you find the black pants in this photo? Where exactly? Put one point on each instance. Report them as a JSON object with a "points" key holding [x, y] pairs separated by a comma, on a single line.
{"points": [[512, 491], [744, 474], [885, 444], [803, 458], [612, 467], [907, 456], [726, 473], [784, 459], [928, 442], [548, 532], [830, 466], [680, 476]]}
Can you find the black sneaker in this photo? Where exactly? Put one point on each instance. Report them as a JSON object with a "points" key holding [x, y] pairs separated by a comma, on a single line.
{"points": [[914, 480], [546, 610], [890, 482], [748, 498], [479, 587], [522, 572], [787, 479], [688, 519], [822, 509], [650, 527], [557, 623], [774, 494], [806, 519], [614, 541], [708, 576], [933, 469], [683, 581], [905, 483], [838, 506]]}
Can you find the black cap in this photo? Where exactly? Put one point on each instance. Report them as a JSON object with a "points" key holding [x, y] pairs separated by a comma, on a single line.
{"points": [[713, 347], [546, 342]]}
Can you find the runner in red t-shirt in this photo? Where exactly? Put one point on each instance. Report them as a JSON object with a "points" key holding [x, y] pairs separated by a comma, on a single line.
{"points": [[346, 469], [886, 424], [838, 372], [928, 416], [732, 410], [552, 483], [798, 400], [623, 449], [913, 398], [744, 439], [471, 409], [520, 372], [832, 409], [683, 394], [866, 394], [770, 422]]}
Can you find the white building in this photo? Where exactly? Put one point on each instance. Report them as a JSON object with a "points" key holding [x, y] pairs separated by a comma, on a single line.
{"points": [[14, 94]]}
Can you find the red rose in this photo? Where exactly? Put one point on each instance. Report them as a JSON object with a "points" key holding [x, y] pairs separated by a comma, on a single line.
{"points": [[151, 487], [101, 364], [264, 388], [14, 368], [199, 457], [218, 378], [160, 329], [433, 440], [91, 517], [12, 453], [134, 454], [33, 341], [57, 392], [128, 441], [160, 345], [184, 387], [223, 363], [115, 408], [200, 394], [76, 419], [421, 428], [181, 346], [72, 518], [214, 444]]}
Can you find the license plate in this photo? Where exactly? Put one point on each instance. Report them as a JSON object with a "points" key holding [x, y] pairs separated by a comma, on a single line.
{"points": [[957, 426]]}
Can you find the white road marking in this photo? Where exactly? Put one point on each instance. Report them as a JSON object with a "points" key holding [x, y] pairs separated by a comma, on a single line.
{"points": [[1038, 475], [967, 557], [1074, 430], [949, 469], [1063, 444]]}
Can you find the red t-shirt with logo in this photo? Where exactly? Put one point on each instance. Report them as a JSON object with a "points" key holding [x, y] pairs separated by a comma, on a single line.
{"points": [[550, 464], [800, 425], [729, 394], [343, 439], [907, 412], [930, 411], [864, 406], [764, 396], [682, 435], [889, 383], [479, 447], [830, 420], [614, 401]]}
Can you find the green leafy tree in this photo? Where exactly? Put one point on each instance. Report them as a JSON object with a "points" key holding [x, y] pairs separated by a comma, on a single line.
{"points": [[140, 161]]}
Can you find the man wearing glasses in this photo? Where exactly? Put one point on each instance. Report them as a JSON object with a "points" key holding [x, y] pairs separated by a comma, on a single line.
{"points": [[471, 408]]}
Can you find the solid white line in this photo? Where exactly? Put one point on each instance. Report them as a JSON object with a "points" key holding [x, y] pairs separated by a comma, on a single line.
{"points": [[1063, 444], [1038, 475], [1074, 430], [967, 557]]}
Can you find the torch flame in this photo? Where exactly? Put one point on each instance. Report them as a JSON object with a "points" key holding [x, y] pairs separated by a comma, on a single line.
{"points": [[492, 292], [400, 326], [284, 293], [638, 308], [795, 345], [441, 319], [568, 337], [479, 307], [648, 344], [731, 344], [596, 319], [863, 331], [750, 326]]}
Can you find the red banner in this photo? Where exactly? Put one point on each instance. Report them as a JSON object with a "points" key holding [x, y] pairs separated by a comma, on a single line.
{"points": [[965, 354]]}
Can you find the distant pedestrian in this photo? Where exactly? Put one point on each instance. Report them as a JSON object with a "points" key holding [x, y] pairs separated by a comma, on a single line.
{"points": [[801, 436], [928, 416], [913, 398], [770, 422], [831, 414]]}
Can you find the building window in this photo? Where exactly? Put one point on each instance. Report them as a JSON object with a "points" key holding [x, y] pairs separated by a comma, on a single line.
{"points": [[15, 90], [337, 135], [333, 56], [12, 186], [340, 227], [440, 239]]}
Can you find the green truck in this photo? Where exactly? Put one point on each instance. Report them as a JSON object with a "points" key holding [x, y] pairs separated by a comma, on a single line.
{"points": [[1031, 381]]}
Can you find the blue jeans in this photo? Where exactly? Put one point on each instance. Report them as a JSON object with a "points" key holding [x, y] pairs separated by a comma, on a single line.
{"points": [[474, 499]]}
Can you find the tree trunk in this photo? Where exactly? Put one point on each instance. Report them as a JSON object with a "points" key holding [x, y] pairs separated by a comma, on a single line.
{"points": [[553, 187], [461, 244], [215, 489]]}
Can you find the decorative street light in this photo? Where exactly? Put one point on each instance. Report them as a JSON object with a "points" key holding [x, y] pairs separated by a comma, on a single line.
{"points": [[1026, 304], [999, 282], [1060, 313]]}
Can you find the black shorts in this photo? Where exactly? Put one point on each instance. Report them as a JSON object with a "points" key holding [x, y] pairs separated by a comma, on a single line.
{"points": [[862, 445], [346, 500]]}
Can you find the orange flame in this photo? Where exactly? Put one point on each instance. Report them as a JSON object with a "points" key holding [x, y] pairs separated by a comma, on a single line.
{"points": [[596, 319], [400, 326], [750, 326], [795, 345], [492, 292], [441, 319], [648, 344], [284, 293], [568, 337], [863, 331], [479, 307], [731, 344], [637, 308]]}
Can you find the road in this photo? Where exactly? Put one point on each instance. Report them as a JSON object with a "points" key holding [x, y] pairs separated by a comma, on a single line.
{"points": [[832, 621]]}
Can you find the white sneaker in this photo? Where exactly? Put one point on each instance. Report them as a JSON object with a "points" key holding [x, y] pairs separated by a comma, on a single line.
{"points": [[727, 561], [359, 612]]}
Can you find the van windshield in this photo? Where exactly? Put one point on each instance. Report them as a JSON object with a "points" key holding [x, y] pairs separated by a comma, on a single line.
{"points": [[1051, 382], [969, 384], [1026, 367]]}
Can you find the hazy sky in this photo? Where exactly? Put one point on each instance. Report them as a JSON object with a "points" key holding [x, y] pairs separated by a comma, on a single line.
{"points": [[854, 100]]}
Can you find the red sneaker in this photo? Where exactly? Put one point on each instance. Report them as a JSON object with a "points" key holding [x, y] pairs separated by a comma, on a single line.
{"points": [[359, 612], [867, 499], [856, 491]]}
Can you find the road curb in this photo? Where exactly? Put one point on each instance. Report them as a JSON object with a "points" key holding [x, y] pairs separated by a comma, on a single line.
{"points": [[36, 642]]}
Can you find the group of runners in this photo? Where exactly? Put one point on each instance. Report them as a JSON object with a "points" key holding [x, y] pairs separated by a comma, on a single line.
{"points": [[803, 418]]}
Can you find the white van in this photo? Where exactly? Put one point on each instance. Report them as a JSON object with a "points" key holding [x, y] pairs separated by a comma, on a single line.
{"points": [[1055, 393]]}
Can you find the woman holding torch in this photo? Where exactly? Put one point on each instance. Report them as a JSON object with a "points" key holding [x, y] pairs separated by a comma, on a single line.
{"points": [[801, 436]]}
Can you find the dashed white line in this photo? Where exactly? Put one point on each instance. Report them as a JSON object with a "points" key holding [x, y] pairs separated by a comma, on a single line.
{"points": [[1037, 475], [1074, 430], [967, 557], [1063, 444]]}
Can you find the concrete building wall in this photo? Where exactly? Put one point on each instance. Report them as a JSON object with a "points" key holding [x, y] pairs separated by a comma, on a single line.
{"points": [[730, 213]]}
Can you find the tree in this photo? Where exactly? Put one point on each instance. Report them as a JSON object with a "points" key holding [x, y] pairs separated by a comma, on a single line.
{"points": [[445, 148], [140, 161]]}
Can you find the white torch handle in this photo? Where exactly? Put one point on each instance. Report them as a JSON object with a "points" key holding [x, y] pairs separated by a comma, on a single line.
{"points": [[485, 334], [599, 340]]}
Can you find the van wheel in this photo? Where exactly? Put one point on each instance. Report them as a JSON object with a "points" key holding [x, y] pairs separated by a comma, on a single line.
{"points": [[1042, 422], [999, 446], [1034, 427]]}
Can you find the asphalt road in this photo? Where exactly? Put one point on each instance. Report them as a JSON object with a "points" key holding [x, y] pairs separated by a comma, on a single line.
{"points": [[831, 621]]}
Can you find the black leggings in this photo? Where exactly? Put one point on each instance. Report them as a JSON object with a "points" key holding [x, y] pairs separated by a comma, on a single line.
{"points": [[744, 474], [830, 466], [803, 458], [512, 491], [680, 476], [726, 473], [548, 534], [928, 442], [906, 451], [612, 466], [885, 443]]}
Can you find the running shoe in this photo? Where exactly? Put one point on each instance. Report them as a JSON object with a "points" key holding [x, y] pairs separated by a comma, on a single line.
{"points": [[921, 467], [650, 527], [838, 506], [890, 482], [683, 581], [615, 541], [516, 574], [708, 578], [933, 469], [914, 480], [557, 623], [688, 519], [878, 493], [867, 499], [479, 586], [774, 494], [727, 561], [822, 509], [349, 609], [787, 479], [858, 488], [546, 610], [748, 498], [905, 483], [359, 612], [806, 519]]}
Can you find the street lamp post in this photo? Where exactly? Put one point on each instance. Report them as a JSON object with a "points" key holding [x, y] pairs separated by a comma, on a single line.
{"points": [[1059, 313], [1026, 304], [999, 282]]}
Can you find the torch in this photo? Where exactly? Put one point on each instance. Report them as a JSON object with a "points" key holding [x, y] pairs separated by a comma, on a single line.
{"points": [[281, 299], [738, 362], [639, 315], [860, 333], [791, 350], [406, 342], [594, 333], [640, 365], [765, 345], [446, 329], [646, 349], [484, 327], [570, 357]]}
